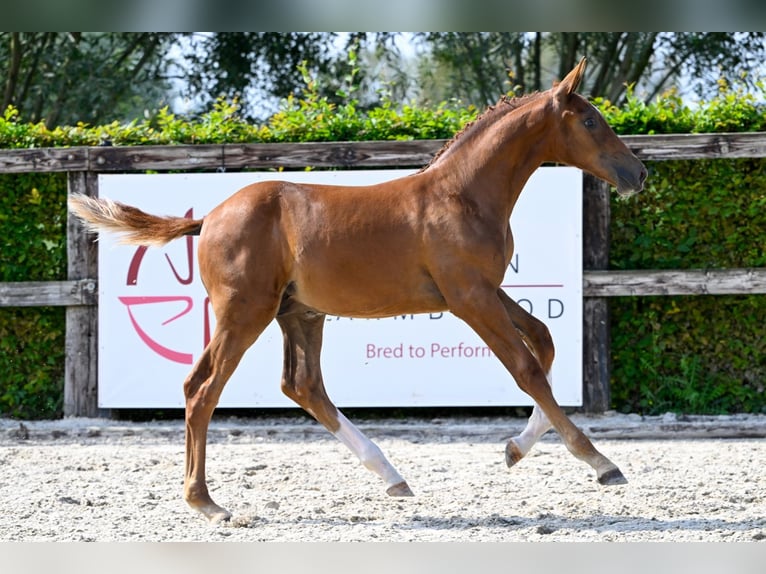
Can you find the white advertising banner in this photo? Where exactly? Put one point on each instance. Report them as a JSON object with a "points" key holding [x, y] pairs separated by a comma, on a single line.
{"points": [[154, 319]]}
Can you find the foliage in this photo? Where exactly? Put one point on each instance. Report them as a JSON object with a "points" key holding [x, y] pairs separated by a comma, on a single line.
{"points": [[32, 362], [62, 78], [66, 77], [32, 248], [255, 67], [314, 117], [693, 354], [704, 355], [735, 108], [693, 214], [473, 66]]}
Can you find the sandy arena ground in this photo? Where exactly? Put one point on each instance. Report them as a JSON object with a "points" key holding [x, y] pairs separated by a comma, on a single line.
{"points": [[286, 479]]}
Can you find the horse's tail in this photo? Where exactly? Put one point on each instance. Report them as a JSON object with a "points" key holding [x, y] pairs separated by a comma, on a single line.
{"points": [[133, 225]]}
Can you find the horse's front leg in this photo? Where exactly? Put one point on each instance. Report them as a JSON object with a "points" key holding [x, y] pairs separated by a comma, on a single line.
{"points": [[483, 309], [538, 340]]}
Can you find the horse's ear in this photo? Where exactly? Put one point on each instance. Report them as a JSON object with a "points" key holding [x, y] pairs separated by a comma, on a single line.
{"points": [[568, 85]]}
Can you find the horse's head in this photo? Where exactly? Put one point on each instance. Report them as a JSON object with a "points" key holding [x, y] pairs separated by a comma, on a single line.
{"points": [[586, 141]]}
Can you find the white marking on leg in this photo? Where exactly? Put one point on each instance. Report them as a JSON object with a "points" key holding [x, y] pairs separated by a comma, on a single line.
{"points": [[537, 425], [367, 451]]}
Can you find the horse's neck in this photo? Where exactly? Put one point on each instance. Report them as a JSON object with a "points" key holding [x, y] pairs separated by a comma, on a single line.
{"points": [[492, 165]]}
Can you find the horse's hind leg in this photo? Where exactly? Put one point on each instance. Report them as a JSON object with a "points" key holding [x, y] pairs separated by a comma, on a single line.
{"points": [[538, 340], [202, 389], [302, 382], [484, 310]]}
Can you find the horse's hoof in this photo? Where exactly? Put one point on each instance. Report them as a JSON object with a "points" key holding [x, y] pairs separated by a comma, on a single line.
{"points": [[512, 453], [612, 477], [213, 513], [219, 517], [399, 489]]}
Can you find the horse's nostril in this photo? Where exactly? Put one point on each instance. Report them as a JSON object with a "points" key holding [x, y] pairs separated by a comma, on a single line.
{"points": [[642, 177]]}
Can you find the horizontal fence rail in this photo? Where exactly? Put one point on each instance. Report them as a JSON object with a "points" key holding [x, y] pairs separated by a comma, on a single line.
{"points": [[49, 293], [688, 282], [643, 283], [79, 293], [372, 154]]}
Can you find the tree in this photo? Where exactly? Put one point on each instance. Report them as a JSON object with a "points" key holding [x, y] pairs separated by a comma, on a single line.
{"points": [[64, 78], [258, 68], [477, 66], [473, 67]]}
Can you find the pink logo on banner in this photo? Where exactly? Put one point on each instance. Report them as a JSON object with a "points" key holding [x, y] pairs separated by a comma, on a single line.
{"points": [[161, 350], [186, 278]]}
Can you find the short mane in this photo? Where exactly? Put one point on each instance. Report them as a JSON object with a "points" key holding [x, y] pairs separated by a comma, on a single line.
{"points": [[489, 116]]}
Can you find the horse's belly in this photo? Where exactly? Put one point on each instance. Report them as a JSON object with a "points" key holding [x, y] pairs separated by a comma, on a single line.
{"points": [[371, 295]]}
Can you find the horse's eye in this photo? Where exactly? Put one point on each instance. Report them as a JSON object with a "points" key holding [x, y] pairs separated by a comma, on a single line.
{"points": [[590, 123]]}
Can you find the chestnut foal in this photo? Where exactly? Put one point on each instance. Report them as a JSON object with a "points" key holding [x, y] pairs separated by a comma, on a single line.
{"points": [[433, 241]]}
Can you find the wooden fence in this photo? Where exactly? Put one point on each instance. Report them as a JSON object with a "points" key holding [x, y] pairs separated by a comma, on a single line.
{"points": [[79, 293]]}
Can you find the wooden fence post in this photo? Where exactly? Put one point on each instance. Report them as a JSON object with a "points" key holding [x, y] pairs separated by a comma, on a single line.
{"points": [[81, 363], [596, 346]]}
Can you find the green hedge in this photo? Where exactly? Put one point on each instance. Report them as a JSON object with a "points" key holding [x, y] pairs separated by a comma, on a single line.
{"points": [[32, 248], [691, 354], [687, 354]]}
